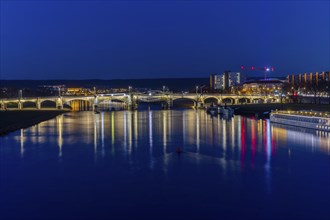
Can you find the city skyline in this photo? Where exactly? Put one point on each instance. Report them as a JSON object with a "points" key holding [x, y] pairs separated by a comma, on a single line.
{"points": [[123, 40]]}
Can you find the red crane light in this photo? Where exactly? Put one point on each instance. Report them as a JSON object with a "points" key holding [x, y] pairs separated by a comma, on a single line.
{"points": [[253, 68]]}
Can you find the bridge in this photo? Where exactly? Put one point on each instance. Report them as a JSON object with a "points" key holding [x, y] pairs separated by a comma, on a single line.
{"points": [[132, 100]]}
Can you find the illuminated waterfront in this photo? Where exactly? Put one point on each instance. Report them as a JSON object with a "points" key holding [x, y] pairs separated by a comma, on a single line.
{"points": [[123, 165]]}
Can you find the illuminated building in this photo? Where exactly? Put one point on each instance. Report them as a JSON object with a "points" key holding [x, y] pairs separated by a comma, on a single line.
{"points": [[262, 87], [225, 80], [77, 91], [308, 78]]}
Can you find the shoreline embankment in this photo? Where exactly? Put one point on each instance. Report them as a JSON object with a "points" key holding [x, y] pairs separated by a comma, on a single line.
{"points": [[13, 120]]}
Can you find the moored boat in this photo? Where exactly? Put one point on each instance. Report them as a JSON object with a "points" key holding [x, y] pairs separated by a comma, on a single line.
{"points": [[306, 119], [215, 110], [227, 111]]}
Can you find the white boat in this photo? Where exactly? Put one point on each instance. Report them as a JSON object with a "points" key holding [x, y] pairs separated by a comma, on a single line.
{"points": [[306, 119]]}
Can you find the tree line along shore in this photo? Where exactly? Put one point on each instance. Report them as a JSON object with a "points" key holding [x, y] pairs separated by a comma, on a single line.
{"points": [[16, 119]]}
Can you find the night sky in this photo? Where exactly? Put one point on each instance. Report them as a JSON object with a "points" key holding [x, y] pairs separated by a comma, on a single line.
{"points": [[145, 39]]}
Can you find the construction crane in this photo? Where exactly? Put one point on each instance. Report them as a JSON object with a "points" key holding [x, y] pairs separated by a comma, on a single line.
{"points": [[265, 69]]}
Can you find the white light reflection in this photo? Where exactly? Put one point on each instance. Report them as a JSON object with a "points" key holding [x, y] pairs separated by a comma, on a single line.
{"points": [[268, 158], [169, 113], [328, 145], [112, 132], [219, 130], [135, 128], [151, 140], [269, 141], [239, 132], [129, 131], [150, 130], [184, 127], [164, 131], [102, 133], [197, 130], [95, 135], [301, 136], [125, 130], [59, 121], [224, 137], [165, 127], [232, 124], [225, 163], [22, 142]]}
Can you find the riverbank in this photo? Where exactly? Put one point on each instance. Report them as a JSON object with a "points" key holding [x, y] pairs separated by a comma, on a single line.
{"points": [[252, 109], [16, 119]]}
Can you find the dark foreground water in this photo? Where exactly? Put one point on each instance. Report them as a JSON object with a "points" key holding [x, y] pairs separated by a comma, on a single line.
{"points": [[124, 165]]}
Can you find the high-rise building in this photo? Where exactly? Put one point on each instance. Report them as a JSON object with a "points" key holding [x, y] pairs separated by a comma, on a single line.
{"points": [[236, 78], [225, 80], [212, 76]]}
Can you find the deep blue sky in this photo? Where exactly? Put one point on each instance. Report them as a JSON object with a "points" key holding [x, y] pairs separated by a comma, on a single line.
{"points": [[144, 39]]}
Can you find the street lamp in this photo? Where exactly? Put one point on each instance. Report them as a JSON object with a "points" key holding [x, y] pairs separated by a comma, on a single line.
{"points": [[164, 89], [196, 90], [20, 94]]}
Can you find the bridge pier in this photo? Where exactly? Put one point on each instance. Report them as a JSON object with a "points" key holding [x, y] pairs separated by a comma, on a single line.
{"points": [[59, 103], [168, 104], [20, 105], [132, 103], [38, 104], [3, 106], [132, 106], [200, 104], [95, 103]]}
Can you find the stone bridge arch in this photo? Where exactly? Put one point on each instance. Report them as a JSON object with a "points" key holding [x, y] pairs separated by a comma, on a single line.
{"points": [[48, 103], [228, 100], [11, 105], [258, 100], [244, 100], [209, 100], [184, 102], [29, 104], [78, 104], [271, 100], [151, 99]]}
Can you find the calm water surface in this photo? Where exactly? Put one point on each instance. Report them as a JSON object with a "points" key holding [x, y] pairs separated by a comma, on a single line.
{"points": [[124, 165]]}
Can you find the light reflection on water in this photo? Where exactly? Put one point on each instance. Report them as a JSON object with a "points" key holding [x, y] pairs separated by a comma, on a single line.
{"points": [[245, 163], [192, 127]]}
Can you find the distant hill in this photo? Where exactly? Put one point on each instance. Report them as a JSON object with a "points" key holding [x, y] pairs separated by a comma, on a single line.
{"points": [[177, 84], [174, 84]]}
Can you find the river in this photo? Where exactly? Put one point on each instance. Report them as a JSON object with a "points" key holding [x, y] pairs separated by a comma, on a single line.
{"points": [[124, 165]]}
